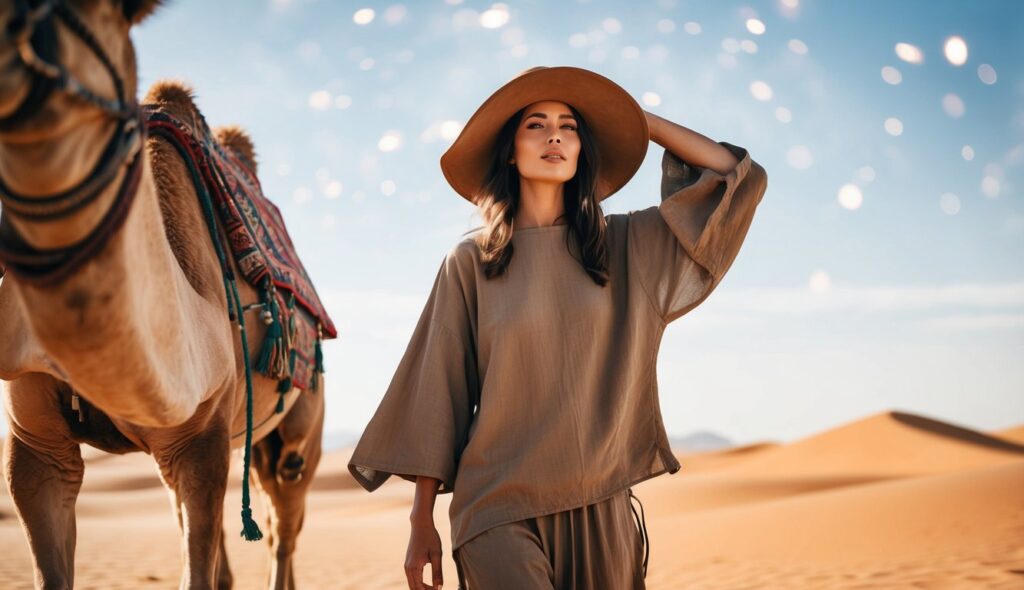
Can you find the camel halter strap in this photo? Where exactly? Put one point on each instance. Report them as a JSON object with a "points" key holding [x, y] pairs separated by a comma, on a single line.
{"points": [[236, 312], [34, 34]]}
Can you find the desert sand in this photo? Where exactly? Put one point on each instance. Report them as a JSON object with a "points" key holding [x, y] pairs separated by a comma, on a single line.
{"points": [[893, 500]]}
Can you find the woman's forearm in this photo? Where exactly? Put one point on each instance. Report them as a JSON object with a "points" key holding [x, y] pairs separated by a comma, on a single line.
{"points": [[423, 504], [690, 146]]}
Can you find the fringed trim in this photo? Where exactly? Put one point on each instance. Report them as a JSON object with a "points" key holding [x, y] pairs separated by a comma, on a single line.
{"points": [[285, 384], [318, 368], [273, 354]]}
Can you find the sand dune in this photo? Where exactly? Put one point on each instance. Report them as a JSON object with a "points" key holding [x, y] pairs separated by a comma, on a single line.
{"points": [[894, 500], [723, 457], [890, 444], [1015, 434], [952, 530]]}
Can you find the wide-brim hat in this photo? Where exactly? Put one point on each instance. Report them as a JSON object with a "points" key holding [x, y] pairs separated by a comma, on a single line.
{"points": [[616, 121]]}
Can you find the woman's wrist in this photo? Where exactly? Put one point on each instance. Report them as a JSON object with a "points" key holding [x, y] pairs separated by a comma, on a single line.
{"points": [[423, 503], [654, 124], [421, 516]]}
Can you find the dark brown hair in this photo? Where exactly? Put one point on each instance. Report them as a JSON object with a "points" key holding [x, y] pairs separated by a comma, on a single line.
{"points": [[499, 202]]}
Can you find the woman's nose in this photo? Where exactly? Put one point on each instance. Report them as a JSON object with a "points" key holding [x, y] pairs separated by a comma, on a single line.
{"points": [[554, 139]]}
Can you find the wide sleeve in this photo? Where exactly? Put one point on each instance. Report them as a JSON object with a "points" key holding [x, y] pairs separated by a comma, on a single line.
{"points": [[680, 250], [422, 424]]}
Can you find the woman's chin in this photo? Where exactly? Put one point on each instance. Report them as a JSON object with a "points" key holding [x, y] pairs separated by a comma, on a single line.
{"points": [[549, 176]]}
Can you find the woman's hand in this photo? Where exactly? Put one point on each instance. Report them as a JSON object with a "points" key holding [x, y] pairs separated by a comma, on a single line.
{"points": [[424, 548], [424, 542]]}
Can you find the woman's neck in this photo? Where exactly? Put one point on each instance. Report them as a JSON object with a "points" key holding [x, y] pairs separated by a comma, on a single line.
{"points": [[540, 204]]}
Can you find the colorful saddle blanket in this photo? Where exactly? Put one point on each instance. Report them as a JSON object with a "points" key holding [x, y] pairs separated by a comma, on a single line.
{"points": [[261, 247]]}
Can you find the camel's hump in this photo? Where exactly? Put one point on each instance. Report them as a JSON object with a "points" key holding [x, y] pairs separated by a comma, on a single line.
{"points": [[237, 140], [175, 97]]}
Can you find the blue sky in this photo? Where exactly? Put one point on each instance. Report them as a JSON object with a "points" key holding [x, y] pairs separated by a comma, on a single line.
{"points": [[882, 270]]}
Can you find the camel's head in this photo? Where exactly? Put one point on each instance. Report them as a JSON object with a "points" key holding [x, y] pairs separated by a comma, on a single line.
{"points": [[52, 55]]}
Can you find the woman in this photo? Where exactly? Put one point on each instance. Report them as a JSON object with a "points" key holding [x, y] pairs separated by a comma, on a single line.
{"points": [[528, 388]]}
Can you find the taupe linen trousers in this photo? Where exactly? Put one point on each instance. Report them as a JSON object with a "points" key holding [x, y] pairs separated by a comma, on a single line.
{"points": [[591, 547]]}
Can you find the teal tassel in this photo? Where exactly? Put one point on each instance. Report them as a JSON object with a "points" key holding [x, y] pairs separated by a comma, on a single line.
{"points": [[318, 367], [319, 357], [270, 361], [284, 385], [268, 351], [250, 530]]}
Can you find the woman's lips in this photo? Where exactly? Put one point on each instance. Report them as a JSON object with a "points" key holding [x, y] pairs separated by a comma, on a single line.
{"points": [[553, 156]]}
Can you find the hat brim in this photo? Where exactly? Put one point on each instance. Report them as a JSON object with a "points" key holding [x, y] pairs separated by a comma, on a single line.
{"points": [[616, 121]]}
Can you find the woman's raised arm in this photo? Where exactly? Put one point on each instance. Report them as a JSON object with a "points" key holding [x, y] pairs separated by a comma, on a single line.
{"points": [[690, 146], [681, 248]]}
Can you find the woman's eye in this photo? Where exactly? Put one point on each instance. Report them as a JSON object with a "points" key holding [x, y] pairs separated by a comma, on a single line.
{"points": [[569, 127], [534, 126]]}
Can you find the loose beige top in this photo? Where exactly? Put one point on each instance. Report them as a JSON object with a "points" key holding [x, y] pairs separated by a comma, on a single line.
{"points": [[535, 392]]}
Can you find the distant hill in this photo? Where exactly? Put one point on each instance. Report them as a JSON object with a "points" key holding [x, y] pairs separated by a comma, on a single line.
{"points": [[699, 441]]}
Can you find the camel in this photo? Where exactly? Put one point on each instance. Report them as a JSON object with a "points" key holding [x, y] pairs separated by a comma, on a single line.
{"points": [[119, 331]]}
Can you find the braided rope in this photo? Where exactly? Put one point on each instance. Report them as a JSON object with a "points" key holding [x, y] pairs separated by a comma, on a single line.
{"points": [[250, 530]]}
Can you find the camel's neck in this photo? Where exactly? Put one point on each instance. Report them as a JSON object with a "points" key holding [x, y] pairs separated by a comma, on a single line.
{"points": [[126, 327]]}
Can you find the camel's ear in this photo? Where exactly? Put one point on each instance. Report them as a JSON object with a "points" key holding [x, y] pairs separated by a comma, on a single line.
{"points": [[137, 10]]}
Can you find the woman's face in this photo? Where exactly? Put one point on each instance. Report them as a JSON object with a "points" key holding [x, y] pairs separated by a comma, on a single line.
{"points": [[547, 145]]}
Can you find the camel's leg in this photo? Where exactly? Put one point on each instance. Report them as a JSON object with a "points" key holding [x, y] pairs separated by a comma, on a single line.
{"points": [[44, 470], [285, 462], [224, 578], [196, 469], [225, 581]]}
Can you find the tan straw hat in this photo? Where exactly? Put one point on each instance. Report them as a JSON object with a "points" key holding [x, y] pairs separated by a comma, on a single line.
{"points": [[616, 121]]}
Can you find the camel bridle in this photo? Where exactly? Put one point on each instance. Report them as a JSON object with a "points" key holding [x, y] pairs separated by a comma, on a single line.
{"points": [[33, 30]]}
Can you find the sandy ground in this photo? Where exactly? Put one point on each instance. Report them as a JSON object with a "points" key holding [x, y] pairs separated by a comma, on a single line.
{"points": [[890, 501]]}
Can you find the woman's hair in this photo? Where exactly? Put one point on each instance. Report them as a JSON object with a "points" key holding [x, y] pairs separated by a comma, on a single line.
{"points": [[499, 202]]}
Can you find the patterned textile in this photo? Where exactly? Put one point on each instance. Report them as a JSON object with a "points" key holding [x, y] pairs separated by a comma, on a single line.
{"points": [[258, 240]]}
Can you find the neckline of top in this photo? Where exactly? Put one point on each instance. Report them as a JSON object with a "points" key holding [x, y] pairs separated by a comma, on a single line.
{"points": [[540, 228]]}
